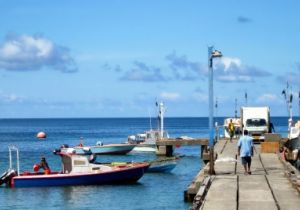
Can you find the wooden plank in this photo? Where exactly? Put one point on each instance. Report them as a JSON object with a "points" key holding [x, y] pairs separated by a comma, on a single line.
{"points": [[272, 137], [200, 196]]}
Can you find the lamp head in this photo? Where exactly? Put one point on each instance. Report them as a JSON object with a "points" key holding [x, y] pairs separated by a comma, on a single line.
{"points": [[216, 54]]}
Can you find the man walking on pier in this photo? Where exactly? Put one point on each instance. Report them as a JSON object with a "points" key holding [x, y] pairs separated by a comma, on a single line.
{"points": [[231, 129], [245, 150]]}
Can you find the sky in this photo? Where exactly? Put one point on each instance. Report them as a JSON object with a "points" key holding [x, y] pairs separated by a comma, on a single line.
{"points": [[116, 58]]}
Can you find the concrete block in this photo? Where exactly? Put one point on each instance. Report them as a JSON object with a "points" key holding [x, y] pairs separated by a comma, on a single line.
{"points": [[255, 195], [217, 205], [258, 205], [254, 185]]}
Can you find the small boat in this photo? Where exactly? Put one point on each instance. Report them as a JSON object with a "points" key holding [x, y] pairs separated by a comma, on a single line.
{"points": [[145, 148], [76, 170], [162, 166], [103, 149], [165, 165], [146, 142], [293, 144]]}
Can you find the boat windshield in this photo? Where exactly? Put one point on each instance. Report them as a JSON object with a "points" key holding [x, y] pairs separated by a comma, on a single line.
{"points": [[256, 122]]}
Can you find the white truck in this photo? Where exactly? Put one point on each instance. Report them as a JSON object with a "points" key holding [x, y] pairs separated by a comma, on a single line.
{"points": [[256, 120]]}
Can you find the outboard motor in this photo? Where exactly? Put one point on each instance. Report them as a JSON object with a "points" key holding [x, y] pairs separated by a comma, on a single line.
{"points": [[92, 158], [56, 151], [7, 176]]}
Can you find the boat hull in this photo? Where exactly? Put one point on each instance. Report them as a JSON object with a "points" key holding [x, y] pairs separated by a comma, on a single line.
{"points": [[127, 175], [144, 148], [162, 168], [119, 149], [293, 143]]}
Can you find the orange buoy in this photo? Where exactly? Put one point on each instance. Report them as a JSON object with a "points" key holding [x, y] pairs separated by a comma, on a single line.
{"points": [[41, 135]]}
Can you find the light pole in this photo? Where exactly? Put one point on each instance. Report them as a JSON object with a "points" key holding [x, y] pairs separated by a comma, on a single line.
{"points": [[212, 53]]}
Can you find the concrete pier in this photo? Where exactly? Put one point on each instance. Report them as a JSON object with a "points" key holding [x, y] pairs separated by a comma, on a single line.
{"points": [[165, 146], [273, 184]]}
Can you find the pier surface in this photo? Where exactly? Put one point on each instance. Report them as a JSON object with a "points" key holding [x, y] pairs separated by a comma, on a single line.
{"points": [[268, 187]]}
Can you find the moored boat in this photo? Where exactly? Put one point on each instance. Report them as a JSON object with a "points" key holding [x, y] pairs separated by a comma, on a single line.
{"points": [[292, 145], [162, 166], [105, 149], [78, 170], [146, 142]]}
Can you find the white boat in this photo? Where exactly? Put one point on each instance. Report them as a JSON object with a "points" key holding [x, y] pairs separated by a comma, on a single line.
{"points": [[293, 143], [146, 142]]}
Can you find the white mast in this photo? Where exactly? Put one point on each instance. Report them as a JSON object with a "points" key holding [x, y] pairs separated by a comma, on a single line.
{"points": [[150, 119], [288, 95], [161, 117]]}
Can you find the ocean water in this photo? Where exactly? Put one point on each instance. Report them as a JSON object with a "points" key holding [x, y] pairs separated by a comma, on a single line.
{"points": [[152, 191]]}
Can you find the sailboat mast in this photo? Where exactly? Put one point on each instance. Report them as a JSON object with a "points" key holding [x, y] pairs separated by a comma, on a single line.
{"points": [[289, 99], [299, 104], [235, 110], [150, 120]]}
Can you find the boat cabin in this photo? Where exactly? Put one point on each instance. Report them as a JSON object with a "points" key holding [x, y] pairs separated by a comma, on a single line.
{"points": [[72, 163], [149, 137]]}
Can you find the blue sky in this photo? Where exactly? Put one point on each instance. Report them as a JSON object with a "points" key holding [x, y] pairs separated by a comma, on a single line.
{"points": [[116, 58]]}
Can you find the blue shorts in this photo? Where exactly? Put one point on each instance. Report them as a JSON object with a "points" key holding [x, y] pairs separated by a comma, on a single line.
{"points": [[246, 160]]}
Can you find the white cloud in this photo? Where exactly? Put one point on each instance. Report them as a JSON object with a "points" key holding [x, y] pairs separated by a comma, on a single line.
{"points": [[25, 52], [232, 70], [226, 69], [142, 72], [170, 96], [267, 97], [200, 97], [228, 62], [11, 98]]}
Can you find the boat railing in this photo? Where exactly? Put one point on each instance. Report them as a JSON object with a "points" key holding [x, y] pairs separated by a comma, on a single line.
{"points": [[16, 150]]}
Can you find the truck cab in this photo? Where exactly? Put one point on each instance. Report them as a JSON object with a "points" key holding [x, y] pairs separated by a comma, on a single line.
{"points": [[256, 120]]}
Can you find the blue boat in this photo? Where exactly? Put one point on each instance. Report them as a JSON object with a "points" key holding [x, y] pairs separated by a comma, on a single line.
{"points": [[79, 170], [106, 149], [162, 166]]}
